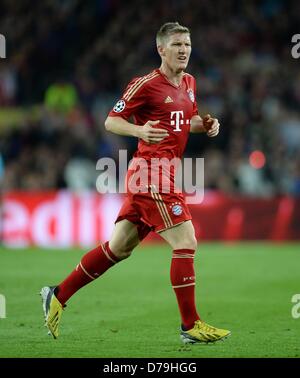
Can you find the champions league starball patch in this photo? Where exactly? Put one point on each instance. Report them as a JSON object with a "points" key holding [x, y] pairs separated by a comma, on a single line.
{"points": [[177, 210], [191, 95], [119, 107]]}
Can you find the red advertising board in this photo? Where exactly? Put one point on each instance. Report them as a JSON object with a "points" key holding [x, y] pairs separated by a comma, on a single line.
{"points": [[64, 219]]}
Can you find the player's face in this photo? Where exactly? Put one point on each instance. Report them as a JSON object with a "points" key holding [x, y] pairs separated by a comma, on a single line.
{"points": [[176, 51]]}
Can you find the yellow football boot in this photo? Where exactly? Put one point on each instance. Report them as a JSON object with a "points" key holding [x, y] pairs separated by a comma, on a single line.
{"points": [[52, 310], [203, 333]]}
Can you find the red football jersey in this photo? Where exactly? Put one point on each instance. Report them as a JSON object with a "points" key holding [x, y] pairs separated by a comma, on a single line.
{"points": [[153, 97]]}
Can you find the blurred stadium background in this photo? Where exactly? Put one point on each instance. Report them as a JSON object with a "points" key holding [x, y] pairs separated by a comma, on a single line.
{"points": [[67, 63]]}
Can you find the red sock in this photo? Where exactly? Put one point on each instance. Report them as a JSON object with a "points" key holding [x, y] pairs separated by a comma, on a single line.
{"points": [[183, 283], [92, 265]]}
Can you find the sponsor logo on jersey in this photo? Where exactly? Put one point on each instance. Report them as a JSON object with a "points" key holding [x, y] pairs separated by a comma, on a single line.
{"points": [[191, 95], [177, 120], [119, 107], [168, 100], [177, 209]]}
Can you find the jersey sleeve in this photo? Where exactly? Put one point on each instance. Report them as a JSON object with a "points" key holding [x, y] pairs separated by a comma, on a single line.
{"points": [[131, 101], [195, 106]]}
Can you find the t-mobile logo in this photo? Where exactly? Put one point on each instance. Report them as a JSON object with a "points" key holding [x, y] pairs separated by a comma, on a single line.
{"points": [[177, 120], [2, 46]]}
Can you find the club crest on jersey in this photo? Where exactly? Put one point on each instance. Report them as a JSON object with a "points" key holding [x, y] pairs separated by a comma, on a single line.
{"points": [[119, 107], [191, 95], [176, 209]]}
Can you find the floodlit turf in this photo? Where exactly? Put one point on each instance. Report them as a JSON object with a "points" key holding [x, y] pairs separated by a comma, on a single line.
{"points": [[131, 310]]}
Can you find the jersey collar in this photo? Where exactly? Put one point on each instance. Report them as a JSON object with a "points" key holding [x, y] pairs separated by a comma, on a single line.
{"points": [[165, 77]]}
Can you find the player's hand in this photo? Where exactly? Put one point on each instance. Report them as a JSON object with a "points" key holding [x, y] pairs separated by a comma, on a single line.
{"points": [[211, 125], [150, 134]]}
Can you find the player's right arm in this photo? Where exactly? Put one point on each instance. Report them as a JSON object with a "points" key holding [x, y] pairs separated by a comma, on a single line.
{"points": [[132, 102], [147, 132]]}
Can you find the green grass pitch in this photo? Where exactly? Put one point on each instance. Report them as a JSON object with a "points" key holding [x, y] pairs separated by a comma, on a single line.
{"points": [[131, 311]]}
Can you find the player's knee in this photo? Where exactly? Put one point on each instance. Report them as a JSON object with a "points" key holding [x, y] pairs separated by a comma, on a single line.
{"points": [[189, 243], [123, 254], [192, 243]]}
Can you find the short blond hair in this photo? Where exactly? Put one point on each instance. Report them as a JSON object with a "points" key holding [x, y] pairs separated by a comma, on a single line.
{"points": [[168, 29]]}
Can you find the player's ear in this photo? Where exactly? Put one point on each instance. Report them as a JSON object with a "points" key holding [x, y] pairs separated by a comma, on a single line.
{"points": [[161, 50]]}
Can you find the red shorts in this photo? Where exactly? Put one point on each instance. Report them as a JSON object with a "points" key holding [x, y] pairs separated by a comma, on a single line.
{"points": [[154, 211]]}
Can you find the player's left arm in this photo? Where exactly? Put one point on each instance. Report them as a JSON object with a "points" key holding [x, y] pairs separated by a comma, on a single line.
{"points": [[207, 124]]}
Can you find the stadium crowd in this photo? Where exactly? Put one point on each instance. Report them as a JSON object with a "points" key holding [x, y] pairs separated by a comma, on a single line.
{"points": [[69, 60]]}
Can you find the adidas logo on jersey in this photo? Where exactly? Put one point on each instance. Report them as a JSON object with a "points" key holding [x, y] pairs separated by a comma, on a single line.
{"points": [[168, 99]]}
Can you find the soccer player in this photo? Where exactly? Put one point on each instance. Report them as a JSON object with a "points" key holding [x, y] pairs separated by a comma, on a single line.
{"points": [[164, 109]]}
